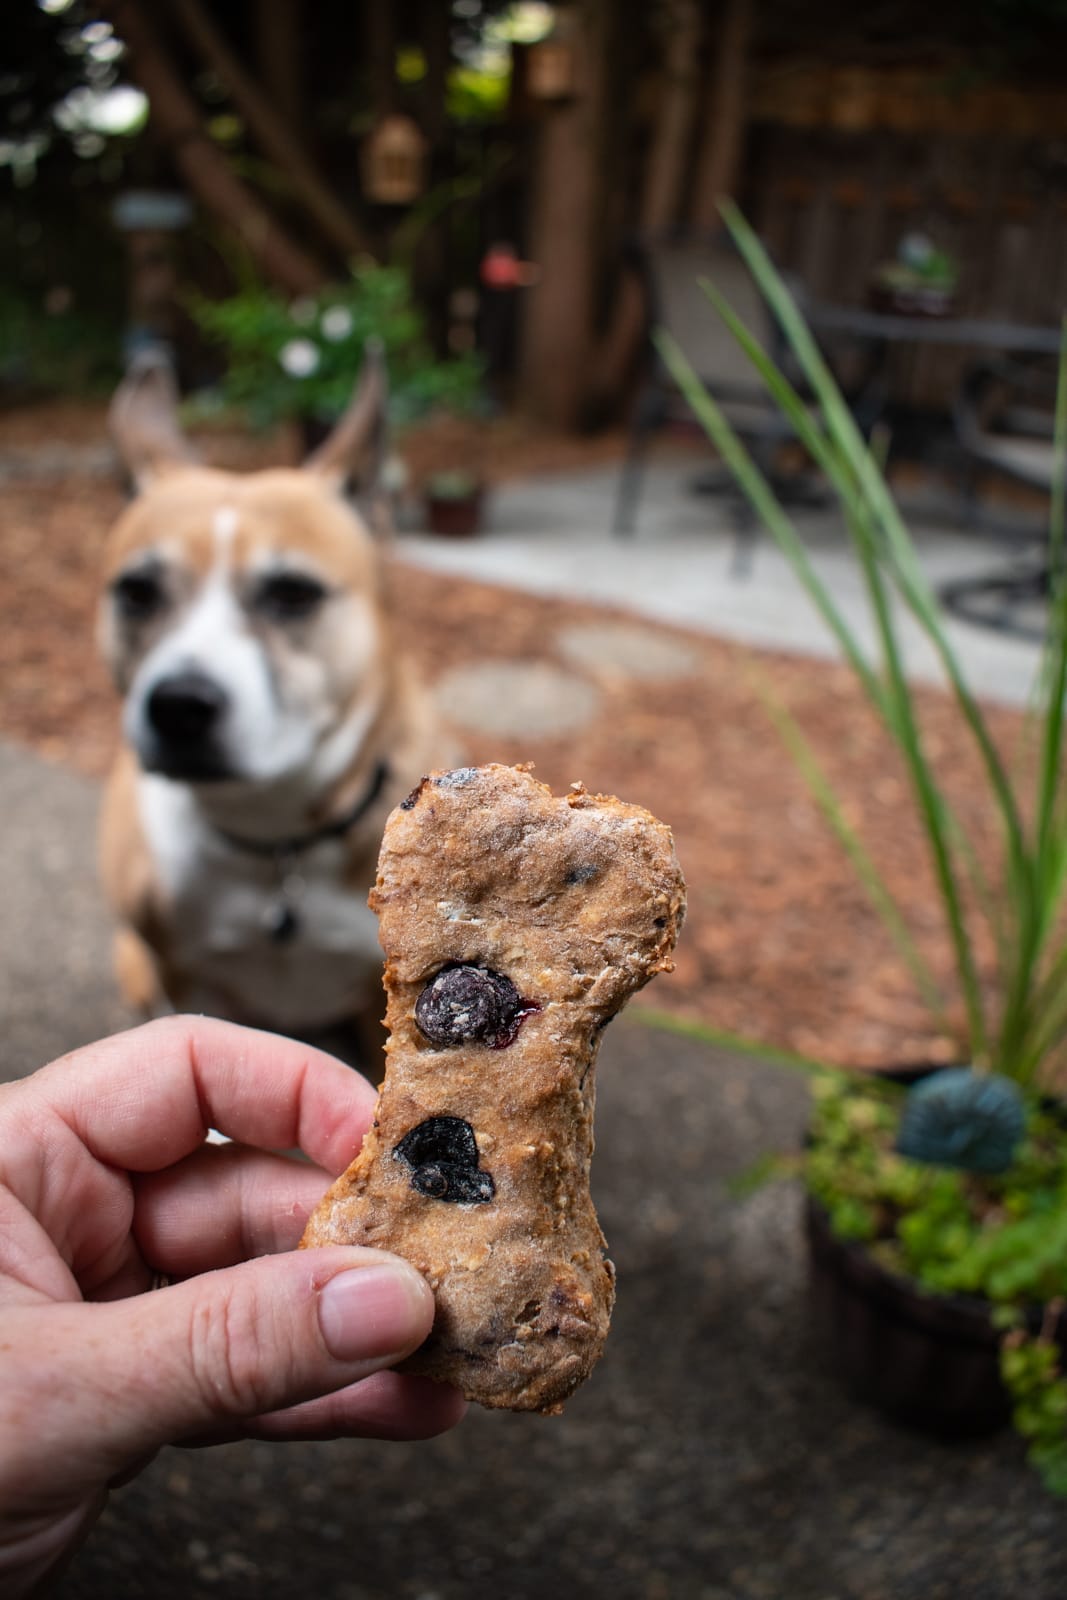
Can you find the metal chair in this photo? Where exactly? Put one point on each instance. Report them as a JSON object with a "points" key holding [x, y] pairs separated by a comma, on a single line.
{"points": [[1004, 423], [1004, 417], [668, 273]]}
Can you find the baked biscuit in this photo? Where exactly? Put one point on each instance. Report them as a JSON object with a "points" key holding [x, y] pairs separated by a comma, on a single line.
{"points": [[515, 925]]}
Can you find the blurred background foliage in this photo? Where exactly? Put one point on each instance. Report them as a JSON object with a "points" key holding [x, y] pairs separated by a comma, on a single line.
{"points": [[798, 109]]}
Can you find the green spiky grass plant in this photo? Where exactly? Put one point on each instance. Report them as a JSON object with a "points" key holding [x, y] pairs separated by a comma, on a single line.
{"points": [[1003, 1237], [1016, 1024]]}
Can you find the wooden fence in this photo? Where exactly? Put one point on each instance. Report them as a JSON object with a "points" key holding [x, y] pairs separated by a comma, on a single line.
{"points": [[833, 202]]}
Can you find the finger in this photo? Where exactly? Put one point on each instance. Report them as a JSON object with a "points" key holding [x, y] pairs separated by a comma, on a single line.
{"points": [[218, 1349], [144, 1099], [389, 1405], [221, 1205]]}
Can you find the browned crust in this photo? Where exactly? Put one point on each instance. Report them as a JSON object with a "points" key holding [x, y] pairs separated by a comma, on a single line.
{"points": [[578, 901]]}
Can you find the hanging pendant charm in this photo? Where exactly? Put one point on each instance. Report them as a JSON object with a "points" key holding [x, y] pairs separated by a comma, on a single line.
{"points": [[281, 920]]}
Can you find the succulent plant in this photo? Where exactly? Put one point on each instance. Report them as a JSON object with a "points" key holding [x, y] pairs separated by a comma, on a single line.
{"points": [[962, 1118]]}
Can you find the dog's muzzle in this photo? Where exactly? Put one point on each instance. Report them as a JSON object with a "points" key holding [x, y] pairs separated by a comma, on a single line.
{"points": [[184, 714]]}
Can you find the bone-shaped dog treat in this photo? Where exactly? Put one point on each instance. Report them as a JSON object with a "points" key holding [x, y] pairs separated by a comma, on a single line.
{"points": [[515, 925]]}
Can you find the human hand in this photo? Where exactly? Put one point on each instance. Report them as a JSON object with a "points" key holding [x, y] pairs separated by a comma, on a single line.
{"points": [[105, 1183]]}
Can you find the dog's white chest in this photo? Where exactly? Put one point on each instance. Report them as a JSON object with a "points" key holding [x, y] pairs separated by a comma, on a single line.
{"points": [[224, 907]]}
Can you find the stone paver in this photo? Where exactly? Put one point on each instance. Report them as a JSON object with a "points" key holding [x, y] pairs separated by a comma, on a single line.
{"points": [[516, 698], [551, 535], [628, 649]]}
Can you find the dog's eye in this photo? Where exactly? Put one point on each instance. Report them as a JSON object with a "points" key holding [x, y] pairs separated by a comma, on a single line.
{"points": [[288, 596], [139, 595]]}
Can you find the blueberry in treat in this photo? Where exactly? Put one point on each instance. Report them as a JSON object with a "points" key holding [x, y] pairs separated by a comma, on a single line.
{"points": [[468, 1005], [443, 1155]]}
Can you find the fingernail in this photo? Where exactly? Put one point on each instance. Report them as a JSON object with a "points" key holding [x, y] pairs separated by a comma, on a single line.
{"points": [[373, 1312]]}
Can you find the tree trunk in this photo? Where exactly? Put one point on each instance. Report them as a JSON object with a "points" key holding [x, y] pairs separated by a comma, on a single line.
{"points": [[558, 327], [200, 162], [279, 48], [665, 171], [432, 233], [661, 193], [435, 29], [270, 129], [719, 163], [379, 40]]}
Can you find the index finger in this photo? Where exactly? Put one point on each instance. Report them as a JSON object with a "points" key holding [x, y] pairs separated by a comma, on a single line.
{"points": [[144, 1099]]}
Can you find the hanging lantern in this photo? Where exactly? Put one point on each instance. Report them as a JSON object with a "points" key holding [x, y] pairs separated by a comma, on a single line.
{"points": [[551, 65], [394, 161]]}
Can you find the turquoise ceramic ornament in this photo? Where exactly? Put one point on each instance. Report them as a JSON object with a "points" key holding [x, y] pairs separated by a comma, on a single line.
{"points": [[962, 1118]]}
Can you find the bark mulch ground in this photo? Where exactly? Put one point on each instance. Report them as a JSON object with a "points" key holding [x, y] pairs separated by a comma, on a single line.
{"points": [[781, 944]]}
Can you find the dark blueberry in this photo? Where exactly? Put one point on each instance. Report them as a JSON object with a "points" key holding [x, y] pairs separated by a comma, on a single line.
{"points": [[411, 801], [440, 1139], [431, 1180], [464, 1004], [443, 1155]]}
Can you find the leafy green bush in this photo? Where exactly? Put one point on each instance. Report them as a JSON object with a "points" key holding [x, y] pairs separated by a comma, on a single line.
{"points": [[1031, 1371], [300, 358]]}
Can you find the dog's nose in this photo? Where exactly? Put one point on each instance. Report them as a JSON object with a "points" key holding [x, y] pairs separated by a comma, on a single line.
{"points": [[185, 708]]}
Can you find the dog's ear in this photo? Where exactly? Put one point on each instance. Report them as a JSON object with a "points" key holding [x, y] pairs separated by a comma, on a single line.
{"points": [[356, 448], [143, 419]]}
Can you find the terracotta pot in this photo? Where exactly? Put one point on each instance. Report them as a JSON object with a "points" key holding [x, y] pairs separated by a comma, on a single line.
{"points": [[918, 302], [929, 1361], [455, 517]]}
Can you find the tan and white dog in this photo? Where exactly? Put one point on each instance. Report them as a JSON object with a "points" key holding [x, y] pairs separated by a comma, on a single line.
{"points": [[269, 726]]}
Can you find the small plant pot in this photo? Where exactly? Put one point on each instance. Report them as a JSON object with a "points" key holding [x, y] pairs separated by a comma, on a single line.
{"points": [[921, 301], [927, 1360], [455, 516]]}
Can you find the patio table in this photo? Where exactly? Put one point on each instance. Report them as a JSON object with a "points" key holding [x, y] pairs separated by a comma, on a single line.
{"points": [[1003, 600], [887, 327], [882, 331]]}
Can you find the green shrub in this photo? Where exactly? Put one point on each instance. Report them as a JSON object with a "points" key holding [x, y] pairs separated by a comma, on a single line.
{"points": [[300, 358]]}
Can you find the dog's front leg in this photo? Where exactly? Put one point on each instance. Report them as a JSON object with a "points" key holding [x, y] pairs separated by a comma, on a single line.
{"points": [[137, 973]]}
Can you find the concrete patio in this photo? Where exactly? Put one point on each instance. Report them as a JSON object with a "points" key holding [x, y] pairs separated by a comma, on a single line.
{"points": [[552, 535]]}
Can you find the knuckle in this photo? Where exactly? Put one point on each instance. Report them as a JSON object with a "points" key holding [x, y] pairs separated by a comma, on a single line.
{"points": [[237, 1362]]}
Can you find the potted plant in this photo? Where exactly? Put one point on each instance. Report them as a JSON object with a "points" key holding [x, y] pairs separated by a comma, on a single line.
{"points": [[454, 502], [296, 360], [920, 281], [937, 1207]]}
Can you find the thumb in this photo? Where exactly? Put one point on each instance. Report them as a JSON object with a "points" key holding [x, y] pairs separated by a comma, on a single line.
{"points": [[253, 1338]]}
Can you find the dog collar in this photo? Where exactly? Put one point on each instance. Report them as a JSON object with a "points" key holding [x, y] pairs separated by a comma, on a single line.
{"points": [[281, 919], [297, 843]]}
